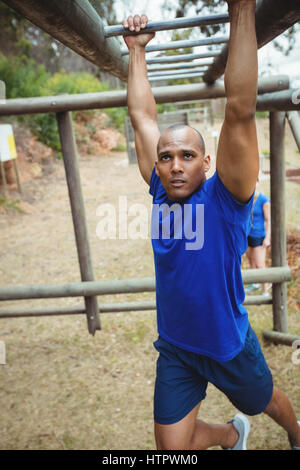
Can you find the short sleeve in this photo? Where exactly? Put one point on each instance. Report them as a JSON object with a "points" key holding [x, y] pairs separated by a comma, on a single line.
{"points": [[264, 199], [234, 211], [154, 182]]}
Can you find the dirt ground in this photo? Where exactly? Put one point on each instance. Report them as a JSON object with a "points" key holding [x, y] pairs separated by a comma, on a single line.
{"points": [[62, 388]]}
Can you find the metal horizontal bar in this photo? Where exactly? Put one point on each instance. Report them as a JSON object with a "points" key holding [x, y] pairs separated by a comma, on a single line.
{"points": [[183, 111], [278, 337], [272, 18], [75, 289], [181, 44], [176, 76], [180, 103], [184, 65], [181, 57], [77, 25], [285, 100], [174, 72], [105, 308], [177, 23], [115, 99]]}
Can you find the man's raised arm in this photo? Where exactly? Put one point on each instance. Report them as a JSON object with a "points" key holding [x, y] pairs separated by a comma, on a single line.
{"points": [[140, 100], [237, 156]]}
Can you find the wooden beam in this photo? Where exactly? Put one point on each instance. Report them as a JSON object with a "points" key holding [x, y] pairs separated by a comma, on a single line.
{"points": [[115, 99], [272, 18], [78, 26], [76, 289], [280, 338], [106, 308]]}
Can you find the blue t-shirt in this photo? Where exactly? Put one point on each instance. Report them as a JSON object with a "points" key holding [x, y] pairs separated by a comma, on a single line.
{"points": [[257, 229], [199, 286]]}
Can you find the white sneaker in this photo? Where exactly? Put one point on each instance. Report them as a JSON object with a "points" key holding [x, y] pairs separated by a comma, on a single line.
{"points": [[242, 426]]}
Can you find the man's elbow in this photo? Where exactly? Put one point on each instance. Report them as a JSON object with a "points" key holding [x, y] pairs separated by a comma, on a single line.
{"points": [[239, 110], [139, 118]]}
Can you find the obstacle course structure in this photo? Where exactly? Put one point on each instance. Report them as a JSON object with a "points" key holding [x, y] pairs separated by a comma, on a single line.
{"points": [[77, 25]]}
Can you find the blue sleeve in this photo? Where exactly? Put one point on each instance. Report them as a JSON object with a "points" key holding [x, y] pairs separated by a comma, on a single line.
{"points": [[154, 182], [234, 211], [264, 199]]}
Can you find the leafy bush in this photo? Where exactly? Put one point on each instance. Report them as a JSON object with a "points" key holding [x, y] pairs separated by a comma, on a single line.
{"points": [[116, 118], [45, 125], [72, 83], [24, 78], [161, 108], [261, 114]]}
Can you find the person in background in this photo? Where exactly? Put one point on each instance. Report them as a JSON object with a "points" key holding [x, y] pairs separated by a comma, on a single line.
{"points": [[259, 238]]}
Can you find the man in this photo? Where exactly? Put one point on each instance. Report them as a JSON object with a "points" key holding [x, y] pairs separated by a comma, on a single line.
{"points": [[204, 332]]}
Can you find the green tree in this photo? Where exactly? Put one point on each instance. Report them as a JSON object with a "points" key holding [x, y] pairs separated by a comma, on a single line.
{"points": [[18, 36], [212, 6]]}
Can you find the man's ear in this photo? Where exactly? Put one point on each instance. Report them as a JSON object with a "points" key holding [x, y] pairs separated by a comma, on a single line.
{"points": [[207, 163]]}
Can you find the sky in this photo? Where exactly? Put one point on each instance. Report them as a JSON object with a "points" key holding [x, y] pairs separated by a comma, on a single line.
{"points": [[270, 60]]}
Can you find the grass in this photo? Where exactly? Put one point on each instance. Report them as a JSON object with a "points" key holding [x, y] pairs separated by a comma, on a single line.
{"points": [[7, 204], [121, 147]]}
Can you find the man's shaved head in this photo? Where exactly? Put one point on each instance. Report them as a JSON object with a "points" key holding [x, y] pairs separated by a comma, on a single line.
{"points": [[178, 126]]}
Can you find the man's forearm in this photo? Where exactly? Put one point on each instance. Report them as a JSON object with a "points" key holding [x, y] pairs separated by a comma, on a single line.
{"points": [[140, 99], [242, 69]]}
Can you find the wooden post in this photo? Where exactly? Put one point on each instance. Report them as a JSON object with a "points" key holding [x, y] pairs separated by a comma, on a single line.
{"points": [[3, 178], [17, 175], [278, 229], [294, 121], [71, 164]]}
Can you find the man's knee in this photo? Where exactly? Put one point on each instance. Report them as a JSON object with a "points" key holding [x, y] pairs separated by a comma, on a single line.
{"points": [[278, 400], [169, 438]]}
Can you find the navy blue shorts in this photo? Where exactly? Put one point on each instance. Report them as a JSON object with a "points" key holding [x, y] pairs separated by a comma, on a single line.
{"points": [[255, 241], [182, 378]]}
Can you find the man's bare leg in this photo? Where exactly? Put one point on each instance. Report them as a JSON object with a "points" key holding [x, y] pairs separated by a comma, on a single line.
{"points": [[193, 434], [281, 411]]}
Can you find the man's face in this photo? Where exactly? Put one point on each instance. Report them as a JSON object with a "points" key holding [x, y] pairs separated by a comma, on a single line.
{"points": [[181, 164]]}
